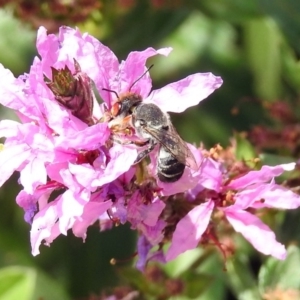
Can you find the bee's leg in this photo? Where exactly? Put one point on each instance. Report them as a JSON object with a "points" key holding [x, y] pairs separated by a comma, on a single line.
{"points": [[145, 152]]}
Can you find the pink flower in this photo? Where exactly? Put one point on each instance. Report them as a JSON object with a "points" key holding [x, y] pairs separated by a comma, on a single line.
{"points": [[256, 189], [52, 143], [64, 143]]}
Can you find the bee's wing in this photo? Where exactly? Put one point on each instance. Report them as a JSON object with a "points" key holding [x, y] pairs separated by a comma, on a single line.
{"points": [[174, 144]]}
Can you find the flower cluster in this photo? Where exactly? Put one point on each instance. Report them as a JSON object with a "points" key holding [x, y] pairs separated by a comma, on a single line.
{"points": [[77, 166]]}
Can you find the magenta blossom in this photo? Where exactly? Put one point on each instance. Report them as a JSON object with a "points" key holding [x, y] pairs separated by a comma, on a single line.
{"points": [[256, 189], [64, 143]]}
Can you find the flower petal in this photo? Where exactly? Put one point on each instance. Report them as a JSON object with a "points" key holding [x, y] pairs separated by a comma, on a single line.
{"points": [[43, 226], [255, 232], [89, 138], [267, 195], [134, 67], [11, 158], [154, 234], [143, 248], [69, 207], [265, 174], [11, 90], [189, 230], [180, 95], [276, 196], [92, 211], [84, 174], [121, 159], [29, 204], [33, 175], [140, 212]]}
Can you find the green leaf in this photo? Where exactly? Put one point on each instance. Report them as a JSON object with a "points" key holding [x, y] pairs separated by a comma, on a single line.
{"points": [[273, 159], [262, 40], [231, 10], [196, 284], [140, 282], [16, 283], [281, 274], [244, 150], [16, 43], [48, 289], [286, 14], [241, 279], [182, 263], [27, 284], [291, 67]]}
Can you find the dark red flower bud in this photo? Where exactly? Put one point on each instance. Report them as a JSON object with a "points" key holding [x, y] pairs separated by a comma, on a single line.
{"points": [[73, 91]]}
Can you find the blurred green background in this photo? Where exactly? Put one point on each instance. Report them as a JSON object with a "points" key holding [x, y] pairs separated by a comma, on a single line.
{"points": [[253, 45]]}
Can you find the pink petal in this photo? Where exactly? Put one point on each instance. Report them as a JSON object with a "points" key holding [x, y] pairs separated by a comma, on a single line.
{"points": [[134, 67], [189, 230], [9, 128], [210, 177], [255, 232], [42, 226], [29, 204], [90, 138], [269, 195], [92, 211], [33, 175], [265, 174], [180, 95], [143, 248], [11, 158], [153, 212], [121, 159], [47, 46], [60, 119], [96, 59], [139, 212], [84, 174], [69, 208], [11, 90], [154, 234], [211, 174], [54, 171]]}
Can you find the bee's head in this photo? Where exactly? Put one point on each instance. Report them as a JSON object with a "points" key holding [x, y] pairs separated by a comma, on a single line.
{"points": [[128, 103]]}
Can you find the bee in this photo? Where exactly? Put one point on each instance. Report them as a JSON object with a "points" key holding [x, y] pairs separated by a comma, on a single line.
{"points": [[154, 129], [154, 126]]}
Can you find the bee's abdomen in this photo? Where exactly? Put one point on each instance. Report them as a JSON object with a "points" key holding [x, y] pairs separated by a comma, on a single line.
{"points": [[169, 169]]}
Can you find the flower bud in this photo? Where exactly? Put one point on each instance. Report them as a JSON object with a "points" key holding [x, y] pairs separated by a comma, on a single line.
{"points": [[73, 91]]}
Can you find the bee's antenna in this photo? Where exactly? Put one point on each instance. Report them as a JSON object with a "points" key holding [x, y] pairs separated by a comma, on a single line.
{"points": [[140, 77], [111, 92]]}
